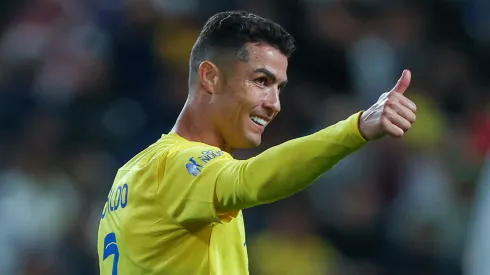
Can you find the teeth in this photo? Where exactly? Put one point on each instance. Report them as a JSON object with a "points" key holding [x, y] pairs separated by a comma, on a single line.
{"points": [[259, 120]]}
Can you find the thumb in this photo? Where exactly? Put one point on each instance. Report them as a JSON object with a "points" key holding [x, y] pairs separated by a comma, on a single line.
{"points": [[402, 84]]}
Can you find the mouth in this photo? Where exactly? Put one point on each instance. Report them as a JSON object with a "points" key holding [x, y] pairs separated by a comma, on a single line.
{"points": [[259, 121]]}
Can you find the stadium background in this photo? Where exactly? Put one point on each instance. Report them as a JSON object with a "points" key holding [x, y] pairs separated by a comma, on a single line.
{"points": [[84, 85]]}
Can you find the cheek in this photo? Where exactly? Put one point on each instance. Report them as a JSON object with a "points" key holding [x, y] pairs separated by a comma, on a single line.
{"points": [[255, 96], [231, 107], [246, 97], [253, 93], [241, 99]]}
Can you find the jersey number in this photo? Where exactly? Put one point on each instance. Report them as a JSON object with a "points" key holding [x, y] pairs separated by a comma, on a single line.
{"points": [[110, 248]]}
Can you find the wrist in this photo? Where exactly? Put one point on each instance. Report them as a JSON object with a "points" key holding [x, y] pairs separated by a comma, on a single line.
{"points": [[360, 126]]}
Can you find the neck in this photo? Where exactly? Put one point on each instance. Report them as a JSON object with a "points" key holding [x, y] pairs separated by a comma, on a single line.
{"points": [[195, 124]]}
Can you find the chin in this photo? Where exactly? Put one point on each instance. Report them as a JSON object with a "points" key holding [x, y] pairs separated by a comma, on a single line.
{"points": [[250, 141], [254, 143]]}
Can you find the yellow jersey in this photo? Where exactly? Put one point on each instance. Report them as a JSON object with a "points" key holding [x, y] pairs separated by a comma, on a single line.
{"points": [[175, 208]]}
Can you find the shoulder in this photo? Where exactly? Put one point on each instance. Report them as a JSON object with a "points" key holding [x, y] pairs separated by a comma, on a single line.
{"points": [[193, 156], [197, 155], [179, 147]]}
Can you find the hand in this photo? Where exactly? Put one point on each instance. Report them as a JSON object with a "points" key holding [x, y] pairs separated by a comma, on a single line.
{"points": [[392, 115]]}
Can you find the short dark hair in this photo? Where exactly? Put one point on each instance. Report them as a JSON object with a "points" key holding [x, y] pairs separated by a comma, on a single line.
{"points": [[228, 32]]}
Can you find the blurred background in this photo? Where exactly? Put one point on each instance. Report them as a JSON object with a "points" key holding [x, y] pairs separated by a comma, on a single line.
{"points": [[86, 84]]}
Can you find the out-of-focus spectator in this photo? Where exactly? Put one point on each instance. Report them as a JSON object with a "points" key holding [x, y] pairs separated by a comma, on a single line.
{"points": [[39, 202]]}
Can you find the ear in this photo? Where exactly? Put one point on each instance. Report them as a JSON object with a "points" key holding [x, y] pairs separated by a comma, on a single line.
{"points": [[209, 76]]}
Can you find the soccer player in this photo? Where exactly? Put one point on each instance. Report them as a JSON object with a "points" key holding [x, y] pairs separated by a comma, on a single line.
{"points": [[176, 207]]}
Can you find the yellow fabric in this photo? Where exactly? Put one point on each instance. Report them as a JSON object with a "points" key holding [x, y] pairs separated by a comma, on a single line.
{"points": [[175, 208]]}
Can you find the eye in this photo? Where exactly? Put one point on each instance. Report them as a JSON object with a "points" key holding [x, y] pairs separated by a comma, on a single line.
{"points": [[263, 81]]}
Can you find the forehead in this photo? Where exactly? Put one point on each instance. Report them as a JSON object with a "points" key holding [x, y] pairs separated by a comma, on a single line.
{"points": [[268, 57]]}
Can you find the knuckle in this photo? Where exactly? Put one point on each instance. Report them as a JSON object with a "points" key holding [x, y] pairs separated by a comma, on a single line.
{"points": [[385, 122], [390, 103], [393, 94], [387, 111]]}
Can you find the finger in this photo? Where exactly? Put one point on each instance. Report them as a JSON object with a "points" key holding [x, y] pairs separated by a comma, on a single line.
{"points": [[403, 83], [400, 122], [409, 104], [404, 101], [405, 113], [391, 129]]}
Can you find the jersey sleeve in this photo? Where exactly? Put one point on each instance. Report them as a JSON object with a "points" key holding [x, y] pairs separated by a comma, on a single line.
{"points": [[288, 168], [214, 180]]}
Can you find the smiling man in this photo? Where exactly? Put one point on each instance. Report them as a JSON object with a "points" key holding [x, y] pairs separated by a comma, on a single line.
{"points": [[175, 208]]}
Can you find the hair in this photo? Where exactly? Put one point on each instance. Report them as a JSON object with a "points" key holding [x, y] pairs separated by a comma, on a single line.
{"points": [[227, 33]]}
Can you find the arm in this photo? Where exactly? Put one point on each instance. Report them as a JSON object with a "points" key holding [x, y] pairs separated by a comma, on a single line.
{"points": [[285, 169], [290, 167], [216, 187], [203, 183]]}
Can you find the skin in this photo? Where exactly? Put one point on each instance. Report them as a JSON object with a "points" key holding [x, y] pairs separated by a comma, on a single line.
{"points": [[219, 109], [222, 101], [393, 114]]}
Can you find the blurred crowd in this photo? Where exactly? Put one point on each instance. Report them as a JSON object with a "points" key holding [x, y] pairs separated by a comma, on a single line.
{"points": [[86, 84]]}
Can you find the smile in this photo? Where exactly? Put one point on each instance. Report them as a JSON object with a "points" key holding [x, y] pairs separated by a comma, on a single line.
{"points": [[259, 120]]}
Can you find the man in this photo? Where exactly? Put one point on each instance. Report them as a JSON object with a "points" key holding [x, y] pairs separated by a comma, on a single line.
{"points": [[175, 208]]}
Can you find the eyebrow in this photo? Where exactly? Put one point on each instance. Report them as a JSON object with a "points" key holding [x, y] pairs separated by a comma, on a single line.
{"points": [[270, 75]]}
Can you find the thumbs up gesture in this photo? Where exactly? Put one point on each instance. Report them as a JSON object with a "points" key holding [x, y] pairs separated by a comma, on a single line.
{"points": [[393, 113]]}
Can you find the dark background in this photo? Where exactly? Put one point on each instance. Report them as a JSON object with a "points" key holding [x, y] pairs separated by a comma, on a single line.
{"points": [[85, 85]]}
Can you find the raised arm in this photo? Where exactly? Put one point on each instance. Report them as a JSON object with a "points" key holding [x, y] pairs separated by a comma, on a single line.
{"points": [[285, 169], [222, 185], [292, 166]]}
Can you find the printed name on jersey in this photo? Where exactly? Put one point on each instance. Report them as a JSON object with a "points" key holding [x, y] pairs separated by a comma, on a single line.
{"points": [[195, 164], [117, 198]]}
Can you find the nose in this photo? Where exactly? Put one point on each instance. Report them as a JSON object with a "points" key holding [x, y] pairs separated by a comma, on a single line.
{"points": [[273, 103]]}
